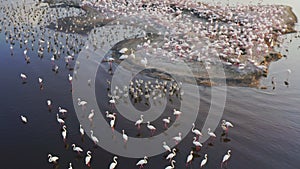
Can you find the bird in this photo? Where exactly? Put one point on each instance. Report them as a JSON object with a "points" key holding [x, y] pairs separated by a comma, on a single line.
{"points": [[70, 78], [166, 121], [196, 131], [172, 165], [225, 125], [177, 113], [142, 162], [171, 155], [52, 159], [286, 82], [166, 147], [77, 149], [226, 158], [94, 138], [81, 130], [123, 50], [211, 134], [204, 161], [91, 115], [62, 111], [114, 163], [49, 104], [177, 138], [59, 120], [64, 132], [112, 123], [108, 115], [197, 143], [125, 137], [88, 158], [139, 122], [81, 102], [189, 158], [70, 166], [24, 119], [24, 77], [151, 127]]}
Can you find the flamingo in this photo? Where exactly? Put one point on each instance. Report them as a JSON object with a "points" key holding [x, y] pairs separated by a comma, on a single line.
{"points": [[177, 138], [171, 155], [81, 103], [81, 130], [52, 159], [139, 122], [24, 77], [24, 119], [40, 80], [94, 138], [88, 158], [142, 162], [110, 115], [114, 163], [204, 161], [177, 113], [196, 131], [125, 137], [226, 158], [123, 50], [172, 165], [211, 134], [70, 78], [189, 158], [112, 123], [62, 111], [286, 82], [70, 166], [77, 149], [151, 127], [49, 104], [166, 121], [166, 147], [64, 133], [59, 120], [197, 143], [225, 125], [91, 115]]}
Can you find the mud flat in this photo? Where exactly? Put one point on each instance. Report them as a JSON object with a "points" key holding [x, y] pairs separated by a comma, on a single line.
{"points": [[209, 51]]}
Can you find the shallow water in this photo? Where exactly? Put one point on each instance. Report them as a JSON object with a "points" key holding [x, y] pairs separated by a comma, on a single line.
{"points": [[266, 132]]}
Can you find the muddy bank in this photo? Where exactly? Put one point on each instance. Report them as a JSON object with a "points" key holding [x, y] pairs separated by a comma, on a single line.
{"points": [[240, 69]]}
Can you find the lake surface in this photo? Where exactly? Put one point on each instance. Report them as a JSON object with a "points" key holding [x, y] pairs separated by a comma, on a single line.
{"points": [[266, 131]]}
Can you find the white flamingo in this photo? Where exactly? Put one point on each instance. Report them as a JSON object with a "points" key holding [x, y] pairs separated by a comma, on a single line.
{"points": [[125, 137], [77, 149], [226, 158], [24, 119], [196, 131], [64, 132], [70, 166], [62, 111], [114, 163], [94, 138], [81, 130], [81, 103], [140, 121], [171, 155], [172, 165], [23, 76], [142, 162], [52, 159], [59, 120], [177, 138], [197, 143], [49, 104], [189, 158], [204, 161], [166, 147], [88, 158], [151, 127], [91, 115], [167, 121], [177, 113], [108, 115], [112, 123]]}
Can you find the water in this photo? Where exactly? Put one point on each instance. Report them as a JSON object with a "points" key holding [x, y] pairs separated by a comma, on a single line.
{"points": [[266, 132]]}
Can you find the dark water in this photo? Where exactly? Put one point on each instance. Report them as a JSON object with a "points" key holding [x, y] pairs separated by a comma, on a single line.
{"points": [[266, 132]]}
